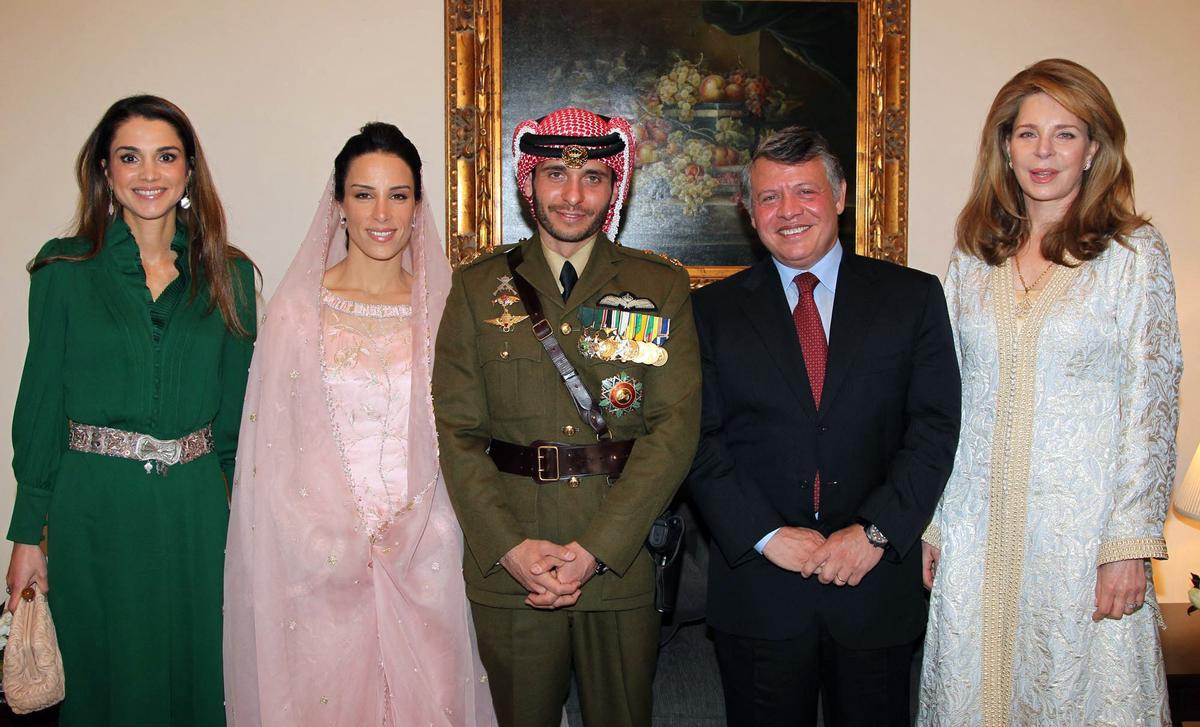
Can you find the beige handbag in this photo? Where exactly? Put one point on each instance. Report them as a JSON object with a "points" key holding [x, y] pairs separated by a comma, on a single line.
{"points": [[33, 668]]}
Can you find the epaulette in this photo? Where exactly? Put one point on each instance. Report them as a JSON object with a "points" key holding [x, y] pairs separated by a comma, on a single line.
{"points": [[657, 257], [494, 252]]}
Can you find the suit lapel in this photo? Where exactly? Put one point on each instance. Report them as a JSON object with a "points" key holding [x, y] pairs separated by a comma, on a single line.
{"points": [[766, 309], [853, 304]]}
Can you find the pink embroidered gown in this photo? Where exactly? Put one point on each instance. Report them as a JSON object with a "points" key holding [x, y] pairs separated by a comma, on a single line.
{"points": [[367, 372], [367, 368], [344, 598]]}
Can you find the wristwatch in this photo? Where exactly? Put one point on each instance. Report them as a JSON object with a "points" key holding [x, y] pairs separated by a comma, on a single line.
{"points": [[601, 568], [874, 536]]}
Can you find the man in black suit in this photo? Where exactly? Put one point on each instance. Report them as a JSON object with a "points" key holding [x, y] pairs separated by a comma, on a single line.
{"points": [[831, 414]]}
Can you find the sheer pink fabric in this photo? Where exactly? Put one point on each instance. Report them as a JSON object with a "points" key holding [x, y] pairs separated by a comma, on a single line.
{"points": [[331, 620]]}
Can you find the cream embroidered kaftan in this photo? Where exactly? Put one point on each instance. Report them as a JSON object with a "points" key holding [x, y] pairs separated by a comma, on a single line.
{"points": [[1065, 461]]}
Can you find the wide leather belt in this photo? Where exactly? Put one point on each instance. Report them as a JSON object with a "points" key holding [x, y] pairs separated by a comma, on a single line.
{"points": [[553, 461]]}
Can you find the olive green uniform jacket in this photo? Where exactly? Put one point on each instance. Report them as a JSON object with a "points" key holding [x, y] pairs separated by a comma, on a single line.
{"points": [[490, 384]]}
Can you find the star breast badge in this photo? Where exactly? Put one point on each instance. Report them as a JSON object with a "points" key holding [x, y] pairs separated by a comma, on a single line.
{"points": [[620, 394]]}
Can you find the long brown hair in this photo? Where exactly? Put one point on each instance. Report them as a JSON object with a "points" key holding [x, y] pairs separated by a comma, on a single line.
{"points": [[994, 222], [209, 251]]}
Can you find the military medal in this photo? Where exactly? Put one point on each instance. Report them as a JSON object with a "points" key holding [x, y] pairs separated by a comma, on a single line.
{"points": [[506, 296], [620, 394], [628, 324], [627, 336]]}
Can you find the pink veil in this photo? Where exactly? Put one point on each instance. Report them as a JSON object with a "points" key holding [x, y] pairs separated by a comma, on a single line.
{"points": [[319, 621]]}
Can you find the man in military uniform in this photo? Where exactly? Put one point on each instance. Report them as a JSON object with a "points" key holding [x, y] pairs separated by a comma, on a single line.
{"points": [[555, 512]]}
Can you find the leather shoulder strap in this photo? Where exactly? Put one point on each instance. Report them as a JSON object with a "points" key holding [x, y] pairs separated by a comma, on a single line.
{"points": [[585, 404]]}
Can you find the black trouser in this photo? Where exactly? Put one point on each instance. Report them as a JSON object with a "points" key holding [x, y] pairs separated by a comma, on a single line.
{"points": [[775, 683]]}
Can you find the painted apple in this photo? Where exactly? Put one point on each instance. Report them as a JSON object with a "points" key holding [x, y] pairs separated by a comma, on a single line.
{"points": [[735, 92], [711, 88], [724, 156]]}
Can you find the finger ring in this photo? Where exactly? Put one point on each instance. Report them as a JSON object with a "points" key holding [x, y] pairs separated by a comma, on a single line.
{"points": [[1131, 606], [839, 581]]}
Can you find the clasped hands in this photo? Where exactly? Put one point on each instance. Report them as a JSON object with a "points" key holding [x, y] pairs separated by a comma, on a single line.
{"points": [[841, 559], [553, 574]]}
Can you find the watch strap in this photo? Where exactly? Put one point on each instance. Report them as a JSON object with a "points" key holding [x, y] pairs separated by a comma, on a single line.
{"points": [[875, 536]]}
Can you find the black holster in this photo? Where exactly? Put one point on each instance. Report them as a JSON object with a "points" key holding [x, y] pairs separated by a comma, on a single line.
{"points": [[664, 543]]}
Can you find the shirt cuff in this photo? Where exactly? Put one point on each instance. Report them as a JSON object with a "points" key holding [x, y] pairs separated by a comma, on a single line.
{"points": [[762, 544], [29, 515]]}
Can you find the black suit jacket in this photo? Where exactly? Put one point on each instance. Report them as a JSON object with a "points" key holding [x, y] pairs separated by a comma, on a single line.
{"points": [[883, 440]]}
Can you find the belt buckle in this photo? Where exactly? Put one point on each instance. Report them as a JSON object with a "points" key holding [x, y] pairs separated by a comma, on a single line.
{"points": [[541, 460], [168, 451]]}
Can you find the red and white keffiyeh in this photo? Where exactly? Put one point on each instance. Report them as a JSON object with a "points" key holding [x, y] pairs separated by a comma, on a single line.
{"points": [[590, 129]]}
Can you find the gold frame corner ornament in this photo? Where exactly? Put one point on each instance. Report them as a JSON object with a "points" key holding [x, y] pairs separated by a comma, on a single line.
{"points": [[475, 148]]}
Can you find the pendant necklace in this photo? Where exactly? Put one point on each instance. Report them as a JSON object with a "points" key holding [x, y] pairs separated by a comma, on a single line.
{"points": [[1025, 304]]}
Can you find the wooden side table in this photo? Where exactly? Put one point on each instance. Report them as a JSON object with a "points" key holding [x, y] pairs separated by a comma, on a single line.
{"points": [[1181, 654]]}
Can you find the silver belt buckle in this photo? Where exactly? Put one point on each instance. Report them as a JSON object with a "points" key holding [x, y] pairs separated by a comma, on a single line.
{"points": [[166, 452]]}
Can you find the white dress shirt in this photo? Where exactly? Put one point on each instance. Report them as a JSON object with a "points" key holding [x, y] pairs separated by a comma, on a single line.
{"points": [[826, 270]]}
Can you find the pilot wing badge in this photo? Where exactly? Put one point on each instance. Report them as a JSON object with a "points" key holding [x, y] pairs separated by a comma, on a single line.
{"points": [[626, 301]]}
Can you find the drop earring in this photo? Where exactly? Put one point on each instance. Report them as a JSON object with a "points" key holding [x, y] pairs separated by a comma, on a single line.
{"points": [[1087, 165], [110, 202], [185, 202]]}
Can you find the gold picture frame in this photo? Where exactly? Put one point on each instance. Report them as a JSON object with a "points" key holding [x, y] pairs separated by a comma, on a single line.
{"points": [[475, 141]]}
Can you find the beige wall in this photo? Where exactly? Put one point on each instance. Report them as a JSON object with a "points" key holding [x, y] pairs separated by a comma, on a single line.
{"points": [[275, 86]]}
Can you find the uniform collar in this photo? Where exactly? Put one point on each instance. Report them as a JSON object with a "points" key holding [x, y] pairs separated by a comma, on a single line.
{"points": [[579, 259]]}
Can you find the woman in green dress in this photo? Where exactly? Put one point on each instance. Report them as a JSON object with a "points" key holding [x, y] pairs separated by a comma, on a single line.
{"points": [[141, 327]]}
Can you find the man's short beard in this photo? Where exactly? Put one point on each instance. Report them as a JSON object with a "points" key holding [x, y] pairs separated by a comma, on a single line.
{"points": [[543, 218]]}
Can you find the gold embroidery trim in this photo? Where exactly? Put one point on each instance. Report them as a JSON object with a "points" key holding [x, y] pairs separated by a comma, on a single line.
{"points": [[1012, 443], [1131, 548], [932, 535]]}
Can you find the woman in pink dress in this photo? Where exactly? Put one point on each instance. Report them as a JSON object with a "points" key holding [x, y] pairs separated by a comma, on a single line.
{"points": [[344, 602]]}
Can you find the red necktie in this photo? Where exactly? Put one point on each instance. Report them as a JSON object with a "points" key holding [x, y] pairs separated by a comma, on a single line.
{"points": [[812, 343]]}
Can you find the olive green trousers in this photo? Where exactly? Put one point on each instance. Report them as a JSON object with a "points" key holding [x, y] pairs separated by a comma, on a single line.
{"points": [[530, 654]]}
